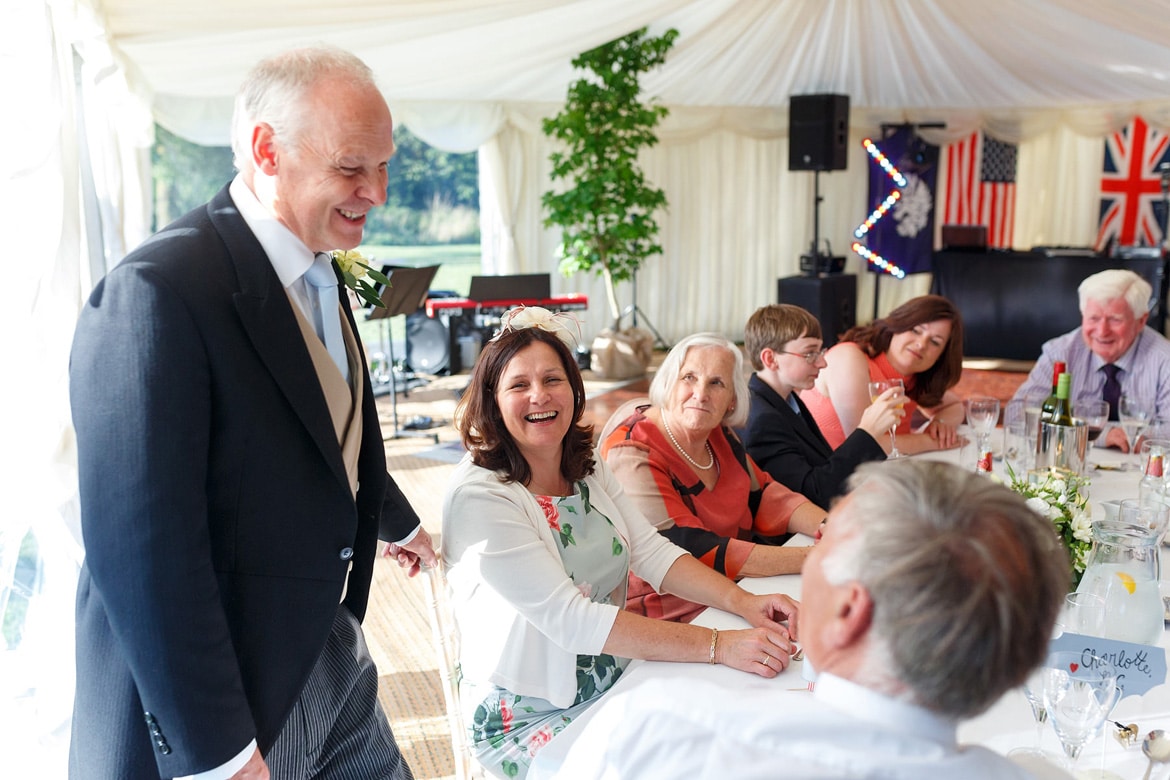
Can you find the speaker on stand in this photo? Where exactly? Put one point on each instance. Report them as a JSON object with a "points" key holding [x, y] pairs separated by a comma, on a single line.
{"points": [[818, 132], [818, 139]]}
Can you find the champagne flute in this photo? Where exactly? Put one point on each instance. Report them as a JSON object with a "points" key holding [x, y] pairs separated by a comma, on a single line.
{"points": [[876, 389], [1135, 413]]}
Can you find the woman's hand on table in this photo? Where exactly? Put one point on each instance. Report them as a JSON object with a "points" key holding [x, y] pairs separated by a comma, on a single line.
{"points": [[769, 611], [945, 435], [762, 651]]}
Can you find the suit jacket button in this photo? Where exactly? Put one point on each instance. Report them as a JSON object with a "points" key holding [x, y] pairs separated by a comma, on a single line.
{"points": [[150, 718], [346, 553], [165, 749]]}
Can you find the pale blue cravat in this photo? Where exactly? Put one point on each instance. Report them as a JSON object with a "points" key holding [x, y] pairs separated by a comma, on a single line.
{"points": [[321, 279]]}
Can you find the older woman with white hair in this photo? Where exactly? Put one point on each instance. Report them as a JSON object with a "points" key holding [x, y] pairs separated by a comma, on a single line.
{"points": [[677, 457]]}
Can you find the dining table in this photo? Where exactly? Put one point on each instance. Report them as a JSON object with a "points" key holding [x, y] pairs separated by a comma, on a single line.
{"points": [[1007, 724]]}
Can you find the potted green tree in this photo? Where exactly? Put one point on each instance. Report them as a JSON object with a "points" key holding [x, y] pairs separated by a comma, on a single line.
{"points": [[606, 211]]}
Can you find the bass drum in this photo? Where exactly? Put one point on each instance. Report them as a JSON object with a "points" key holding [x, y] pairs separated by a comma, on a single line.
{"points": [[428, 349]]}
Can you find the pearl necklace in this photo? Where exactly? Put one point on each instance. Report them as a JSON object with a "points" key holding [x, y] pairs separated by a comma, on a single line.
{"points": [[690, 460]]}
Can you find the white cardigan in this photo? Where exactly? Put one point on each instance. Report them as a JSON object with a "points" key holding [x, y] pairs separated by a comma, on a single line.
{"points": [[521, 619]]}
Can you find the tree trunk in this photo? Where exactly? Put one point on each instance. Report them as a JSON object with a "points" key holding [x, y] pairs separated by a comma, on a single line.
{"points": [[611, 293]]}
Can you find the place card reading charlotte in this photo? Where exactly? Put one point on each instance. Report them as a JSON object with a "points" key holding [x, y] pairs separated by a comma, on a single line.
{"points": [[1139, 667]]}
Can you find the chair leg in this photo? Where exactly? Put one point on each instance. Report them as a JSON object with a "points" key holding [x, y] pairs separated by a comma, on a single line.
{"points": [[445, 636]]}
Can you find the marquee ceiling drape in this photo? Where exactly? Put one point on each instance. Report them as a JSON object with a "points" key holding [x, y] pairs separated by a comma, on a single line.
{"points": [[479, 75]]}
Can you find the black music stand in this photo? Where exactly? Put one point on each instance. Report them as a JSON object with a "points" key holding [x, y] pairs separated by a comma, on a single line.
{"points": [[405, 294]]}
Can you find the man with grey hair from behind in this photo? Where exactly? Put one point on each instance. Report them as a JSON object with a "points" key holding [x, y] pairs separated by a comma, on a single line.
{"points": [[932, 593], [1112, 353]]}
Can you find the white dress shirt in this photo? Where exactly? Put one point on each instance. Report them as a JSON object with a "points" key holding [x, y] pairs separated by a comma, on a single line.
{"points": [[677, 727]]}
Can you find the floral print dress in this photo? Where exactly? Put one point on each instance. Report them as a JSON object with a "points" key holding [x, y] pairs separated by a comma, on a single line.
{"points": [[506, 729]]}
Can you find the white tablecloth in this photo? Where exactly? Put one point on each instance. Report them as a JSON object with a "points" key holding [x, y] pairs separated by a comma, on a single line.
{"points": [[1006, 725]]}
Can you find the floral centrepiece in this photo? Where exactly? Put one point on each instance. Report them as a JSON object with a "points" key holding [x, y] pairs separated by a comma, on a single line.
{"points": [[357, 273], [1062, 498]]}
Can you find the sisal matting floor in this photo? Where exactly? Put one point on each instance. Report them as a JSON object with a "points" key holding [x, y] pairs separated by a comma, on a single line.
{"points": [[397, 625]]}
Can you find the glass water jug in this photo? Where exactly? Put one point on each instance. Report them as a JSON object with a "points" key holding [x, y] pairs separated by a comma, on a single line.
{"points": [[1122, 568]]}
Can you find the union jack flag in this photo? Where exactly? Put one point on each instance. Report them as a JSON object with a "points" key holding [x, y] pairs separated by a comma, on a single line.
{"points": [[981, 187], [1131, 187]]}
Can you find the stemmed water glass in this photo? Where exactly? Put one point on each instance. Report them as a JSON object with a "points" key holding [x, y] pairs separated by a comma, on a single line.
{"points": [[1034, 692], [876, 389], [982, 416], [1135, 413], [1080, 690]]}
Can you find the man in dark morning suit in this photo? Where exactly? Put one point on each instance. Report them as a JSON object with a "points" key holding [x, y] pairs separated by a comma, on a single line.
{"points": [[785, 347], [232, 472]]}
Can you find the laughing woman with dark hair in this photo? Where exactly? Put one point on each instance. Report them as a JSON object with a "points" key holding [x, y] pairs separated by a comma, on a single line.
{"points": [[921, 343], [539, 539]]}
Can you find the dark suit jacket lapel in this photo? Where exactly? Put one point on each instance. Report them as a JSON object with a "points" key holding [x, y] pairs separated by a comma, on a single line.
{"points": [[268, 319], [797, 423]]}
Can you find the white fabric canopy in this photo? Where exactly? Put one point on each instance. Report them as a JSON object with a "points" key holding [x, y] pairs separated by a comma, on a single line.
{"points": [[480, 74]]}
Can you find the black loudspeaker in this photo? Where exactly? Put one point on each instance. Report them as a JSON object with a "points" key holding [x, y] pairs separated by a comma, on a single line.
{"points": [[831, 299], [818, 132], [427, 347]]}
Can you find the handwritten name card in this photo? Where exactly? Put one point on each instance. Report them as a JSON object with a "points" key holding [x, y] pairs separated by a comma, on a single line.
{"points": [[1139, 667]]}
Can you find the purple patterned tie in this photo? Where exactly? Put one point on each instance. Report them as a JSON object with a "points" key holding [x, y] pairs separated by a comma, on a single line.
{"points": [[1112, 390]]}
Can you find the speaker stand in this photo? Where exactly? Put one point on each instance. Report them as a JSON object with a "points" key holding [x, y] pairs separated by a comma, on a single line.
{"points": [[633, 310], [405, 294]]}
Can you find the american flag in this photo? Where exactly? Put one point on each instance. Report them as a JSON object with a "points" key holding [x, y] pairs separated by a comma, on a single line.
{"points": [[1131, 188], [981, 186]]}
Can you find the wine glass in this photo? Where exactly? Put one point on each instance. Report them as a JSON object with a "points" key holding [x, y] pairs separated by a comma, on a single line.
{"points": [[982, 416], [876, 389], [1095, 413], [1135, 413], [1080, 690], [1019, 449]]}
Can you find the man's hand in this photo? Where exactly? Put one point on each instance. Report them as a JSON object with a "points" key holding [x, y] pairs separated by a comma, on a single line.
{"points": [[1116, 438], [255, 769], [412, 556]]}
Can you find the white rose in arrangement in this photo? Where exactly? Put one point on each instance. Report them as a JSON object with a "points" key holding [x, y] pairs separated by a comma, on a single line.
{"points": [[1063, 499], [1038, 505], [1082, 527]]}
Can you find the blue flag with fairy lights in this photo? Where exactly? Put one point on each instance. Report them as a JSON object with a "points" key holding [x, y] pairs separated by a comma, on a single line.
{"points": [[905, 235]]}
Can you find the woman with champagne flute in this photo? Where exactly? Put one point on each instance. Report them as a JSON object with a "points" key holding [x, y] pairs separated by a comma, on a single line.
{"points": [[920, 343]]}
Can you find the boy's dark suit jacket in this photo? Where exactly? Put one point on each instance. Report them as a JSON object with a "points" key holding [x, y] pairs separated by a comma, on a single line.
{"points": [[790, 447]]}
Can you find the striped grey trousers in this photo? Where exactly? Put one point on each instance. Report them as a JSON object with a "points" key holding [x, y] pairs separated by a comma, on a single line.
{"points": [[337, 730]]}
